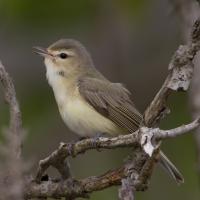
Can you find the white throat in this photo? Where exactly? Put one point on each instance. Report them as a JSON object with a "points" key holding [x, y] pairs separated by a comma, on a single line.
{"points": [[51, 72]]}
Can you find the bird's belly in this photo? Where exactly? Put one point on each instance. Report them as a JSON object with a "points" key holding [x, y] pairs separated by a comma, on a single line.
{"points": [[77, 114], [81, 118]]}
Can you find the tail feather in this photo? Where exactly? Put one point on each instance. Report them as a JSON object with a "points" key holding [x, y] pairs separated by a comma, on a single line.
{"points": [[171, 169]]}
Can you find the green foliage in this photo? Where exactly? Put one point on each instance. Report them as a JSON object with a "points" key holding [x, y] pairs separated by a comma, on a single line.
{"points": [[61, 12]]}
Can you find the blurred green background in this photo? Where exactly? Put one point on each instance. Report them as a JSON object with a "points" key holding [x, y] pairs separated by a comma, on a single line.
{"points": [[131, 41]]}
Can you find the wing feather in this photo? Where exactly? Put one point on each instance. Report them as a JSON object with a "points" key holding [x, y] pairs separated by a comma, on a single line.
{"points": [[112, 100]]}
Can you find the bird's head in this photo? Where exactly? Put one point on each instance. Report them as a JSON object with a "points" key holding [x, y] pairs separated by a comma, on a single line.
{"points": [[67, 55]]}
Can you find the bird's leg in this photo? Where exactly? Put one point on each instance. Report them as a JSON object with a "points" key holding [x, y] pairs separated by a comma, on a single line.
{"points": [[71, 144], [95, 140]]}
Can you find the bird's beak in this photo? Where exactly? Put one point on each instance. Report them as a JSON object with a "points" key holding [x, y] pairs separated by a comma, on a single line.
{"points": [[42, 52]]}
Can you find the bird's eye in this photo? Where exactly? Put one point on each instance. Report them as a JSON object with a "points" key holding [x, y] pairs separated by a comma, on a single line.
{"points": [[63, 55]]}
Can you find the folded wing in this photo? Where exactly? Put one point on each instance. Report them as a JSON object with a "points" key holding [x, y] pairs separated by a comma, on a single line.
{"points": [[112, 100]]}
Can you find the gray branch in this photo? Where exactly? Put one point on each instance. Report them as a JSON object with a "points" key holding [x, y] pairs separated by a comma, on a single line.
{"points": [[160, 134], [11, 184], [66, 150], [188, 11], [82, 187], [15, 127]]}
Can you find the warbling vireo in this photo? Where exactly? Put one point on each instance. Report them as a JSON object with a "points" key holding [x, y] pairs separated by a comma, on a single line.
{"points": [[88, 102]]}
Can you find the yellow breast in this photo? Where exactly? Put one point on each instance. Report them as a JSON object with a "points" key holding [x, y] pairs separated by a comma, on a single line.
{"points": [[84, 120], [78, 115]]}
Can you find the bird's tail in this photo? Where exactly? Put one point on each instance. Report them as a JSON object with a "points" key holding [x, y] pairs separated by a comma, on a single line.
{"points": [[171, 169]]}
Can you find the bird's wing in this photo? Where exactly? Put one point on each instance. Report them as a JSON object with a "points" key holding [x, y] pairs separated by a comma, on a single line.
{"points": [[112, 101]]}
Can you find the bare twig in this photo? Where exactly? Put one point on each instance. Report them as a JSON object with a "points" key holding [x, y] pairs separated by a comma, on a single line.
{"points": [[179, 77], [66, 150], [177, 131], [121, 141], [194, 99], [188, 11], [15, 127], [12, 184], [126, 191], [180, 74], [73, 188], [151, 136]]}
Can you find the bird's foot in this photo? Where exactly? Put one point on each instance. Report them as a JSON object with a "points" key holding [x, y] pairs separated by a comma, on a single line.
{"points": [[96, 139], [70, 146]]}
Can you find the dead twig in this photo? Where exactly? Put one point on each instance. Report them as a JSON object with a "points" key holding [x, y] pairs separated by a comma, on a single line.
{"points": [[12, 185]]}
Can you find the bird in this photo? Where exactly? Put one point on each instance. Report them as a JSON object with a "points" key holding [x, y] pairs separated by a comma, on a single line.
{"points": [[87, 101]]}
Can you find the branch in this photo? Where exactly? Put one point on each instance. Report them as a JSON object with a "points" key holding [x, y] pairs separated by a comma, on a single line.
{"points": [[160, 134], [151, 137], [146, 141], [11, 186], [187, 12], [127, 190], [15, 127], [72, 188], [180, 74], [65, 150], [114, 177]]}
